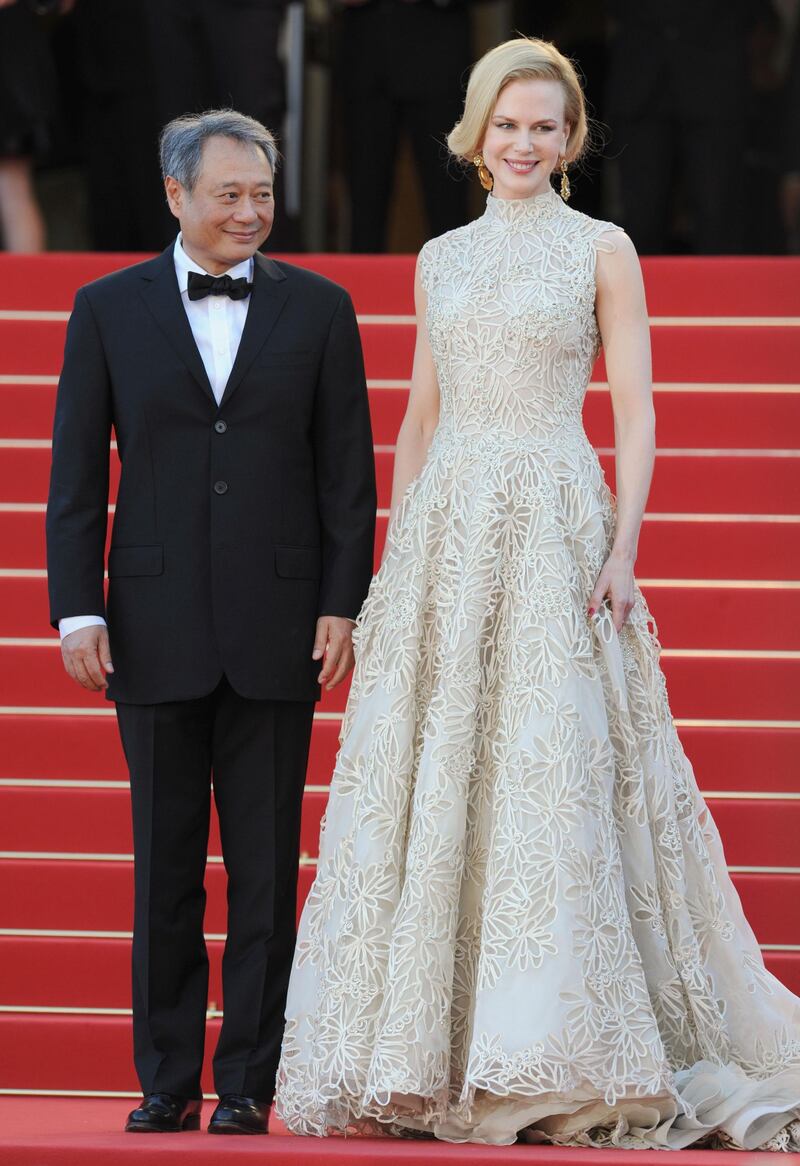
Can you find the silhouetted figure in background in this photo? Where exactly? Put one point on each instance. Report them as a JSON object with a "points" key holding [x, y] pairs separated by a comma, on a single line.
{"points": [[120, 130], [402, 65], [677, 100], [27, 107], [198, 60], [790, 148]]}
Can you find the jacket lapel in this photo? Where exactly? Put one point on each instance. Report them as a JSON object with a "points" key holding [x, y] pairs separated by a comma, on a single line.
{"points": [[160, 292], [269, 294]]}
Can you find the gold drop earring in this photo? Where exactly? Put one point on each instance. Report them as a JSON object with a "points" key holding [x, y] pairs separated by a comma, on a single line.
{"points": [[565, 188], [486, 180]]}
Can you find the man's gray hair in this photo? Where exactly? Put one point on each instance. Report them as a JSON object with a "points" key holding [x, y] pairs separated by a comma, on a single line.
{"points": [[182, 139]]}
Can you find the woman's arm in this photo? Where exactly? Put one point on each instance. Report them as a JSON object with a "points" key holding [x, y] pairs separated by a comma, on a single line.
{"points": [[422, 412], [622, 318]]}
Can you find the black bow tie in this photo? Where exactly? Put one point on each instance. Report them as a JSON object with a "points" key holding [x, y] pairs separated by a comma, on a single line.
{"points": [[201, 286]]}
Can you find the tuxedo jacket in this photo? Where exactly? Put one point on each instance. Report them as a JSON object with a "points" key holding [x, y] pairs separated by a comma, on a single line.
{"points": [[236, 525]]}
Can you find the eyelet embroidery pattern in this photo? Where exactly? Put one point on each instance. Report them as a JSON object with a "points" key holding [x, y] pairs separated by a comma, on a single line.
{"points": [[522, 915]]}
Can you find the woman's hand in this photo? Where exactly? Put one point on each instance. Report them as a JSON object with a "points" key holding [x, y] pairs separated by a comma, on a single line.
{"points": [[615, 581]]}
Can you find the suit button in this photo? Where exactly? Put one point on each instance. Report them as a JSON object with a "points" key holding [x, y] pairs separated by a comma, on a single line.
{"points": [[220, 426], [220, 487]]}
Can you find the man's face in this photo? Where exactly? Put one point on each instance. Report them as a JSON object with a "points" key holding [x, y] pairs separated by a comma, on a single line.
{"points": [[229, 214]]}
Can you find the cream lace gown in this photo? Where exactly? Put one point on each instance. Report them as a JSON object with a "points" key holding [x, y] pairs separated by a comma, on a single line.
{"points": [[522, 915]]}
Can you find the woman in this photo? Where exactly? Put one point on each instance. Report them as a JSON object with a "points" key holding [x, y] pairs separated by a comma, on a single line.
{"points": [[522, 918]]}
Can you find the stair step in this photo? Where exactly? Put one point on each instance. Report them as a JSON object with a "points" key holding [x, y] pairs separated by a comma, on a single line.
{"points": [[743, 354], [68, 972], [709, 617], [98, 896], [692, 418], [676, 285], [754, 833], [70, 1052], [680, 353], [704, 687], [85, 820], [76, 748], [719, 484], [680, 548], [81, 748], [48, 972]]}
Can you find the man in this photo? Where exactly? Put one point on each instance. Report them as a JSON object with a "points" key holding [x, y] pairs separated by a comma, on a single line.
{"points": [[241, 551]]}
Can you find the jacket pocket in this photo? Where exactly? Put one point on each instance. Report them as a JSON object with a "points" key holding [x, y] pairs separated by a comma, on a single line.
{"points": [[135, 561], [298, 562]]}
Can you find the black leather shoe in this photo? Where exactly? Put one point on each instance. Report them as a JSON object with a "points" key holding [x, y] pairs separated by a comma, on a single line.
{"points": [[164, 1113], [239, 1115]]}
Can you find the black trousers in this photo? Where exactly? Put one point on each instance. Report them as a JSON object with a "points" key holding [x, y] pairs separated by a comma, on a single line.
{"points": [[257, 752]]}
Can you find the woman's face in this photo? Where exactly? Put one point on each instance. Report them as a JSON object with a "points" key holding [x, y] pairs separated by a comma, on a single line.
{"points": [[525, 138]]}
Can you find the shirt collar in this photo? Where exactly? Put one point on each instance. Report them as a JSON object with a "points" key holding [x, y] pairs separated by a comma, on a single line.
{"points": [[184, 264]]}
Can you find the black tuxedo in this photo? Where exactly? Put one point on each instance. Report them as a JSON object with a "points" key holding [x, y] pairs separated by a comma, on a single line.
{"points": [[235, 528]]}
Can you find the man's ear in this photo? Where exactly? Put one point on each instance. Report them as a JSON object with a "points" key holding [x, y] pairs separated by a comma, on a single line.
{"points": [[176, 195]]}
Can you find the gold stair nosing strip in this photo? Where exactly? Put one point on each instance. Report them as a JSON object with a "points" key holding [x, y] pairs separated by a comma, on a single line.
{"points": [[124, 785], [51, 783], [306, 860], [680, 722], [691, 387], [45, 443], [408, 320], [667, 653], [210, 937], [86, 1094], [675, 584], [35, 380], [383, 512]]}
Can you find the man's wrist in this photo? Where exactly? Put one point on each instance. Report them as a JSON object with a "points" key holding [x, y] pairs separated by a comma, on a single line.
{"points": [[74, 623]]}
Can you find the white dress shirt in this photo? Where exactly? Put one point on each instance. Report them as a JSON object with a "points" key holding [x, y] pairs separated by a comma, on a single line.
{"points": [[217, 323]]}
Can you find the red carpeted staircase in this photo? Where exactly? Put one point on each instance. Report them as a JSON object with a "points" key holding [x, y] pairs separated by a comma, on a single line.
{"points": [[719, 563]]}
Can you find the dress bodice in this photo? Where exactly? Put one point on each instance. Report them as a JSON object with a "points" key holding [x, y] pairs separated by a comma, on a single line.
{"points": [[511, 317]]}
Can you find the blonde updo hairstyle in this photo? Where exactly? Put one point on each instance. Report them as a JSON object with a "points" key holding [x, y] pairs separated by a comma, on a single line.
{"points": [[522, 59]]}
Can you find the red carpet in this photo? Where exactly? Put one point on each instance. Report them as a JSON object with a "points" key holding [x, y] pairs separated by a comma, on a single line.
{"points": [[87, 1133], [720, 564]]}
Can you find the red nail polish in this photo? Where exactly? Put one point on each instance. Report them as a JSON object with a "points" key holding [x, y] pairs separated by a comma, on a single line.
{"points": [[591, 611]]}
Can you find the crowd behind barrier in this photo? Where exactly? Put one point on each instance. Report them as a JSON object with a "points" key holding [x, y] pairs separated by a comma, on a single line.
{"points": [[696, 113]]}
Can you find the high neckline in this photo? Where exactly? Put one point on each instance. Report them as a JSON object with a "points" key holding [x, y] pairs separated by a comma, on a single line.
{"points": [[539, 208]]}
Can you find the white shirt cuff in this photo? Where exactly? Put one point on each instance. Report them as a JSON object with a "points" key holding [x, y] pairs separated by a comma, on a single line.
{"points": [[74, 623]]}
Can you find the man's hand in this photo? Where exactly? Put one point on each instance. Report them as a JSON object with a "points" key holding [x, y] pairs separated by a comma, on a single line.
{"points": [[87, 657], [334, 641]]}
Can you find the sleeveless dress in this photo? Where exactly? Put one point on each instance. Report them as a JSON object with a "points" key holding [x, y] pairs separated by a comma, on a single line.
{"points": [[522, 917]]}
